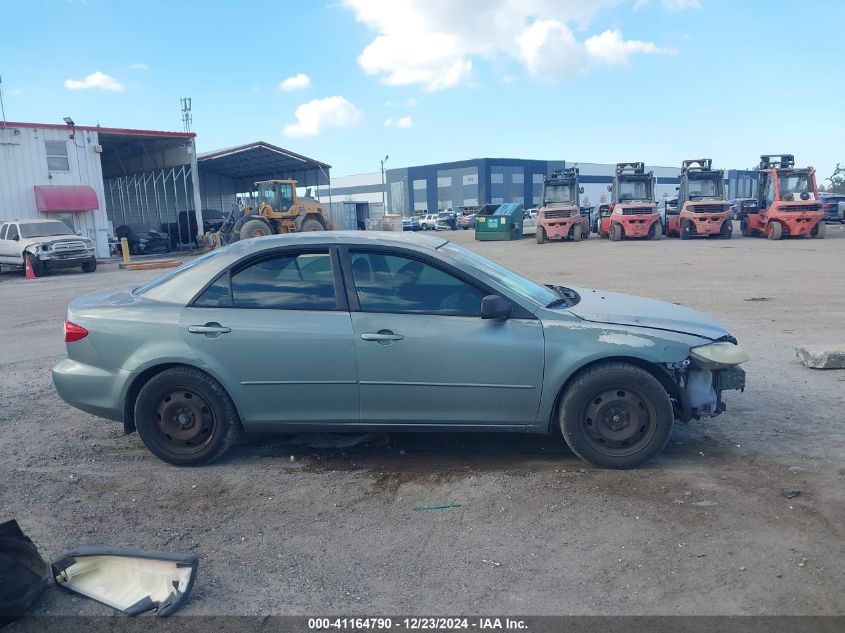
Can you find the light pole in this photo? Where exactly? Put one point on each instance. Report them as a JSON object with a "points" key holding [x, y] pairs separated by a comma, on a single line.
{"points": [[383, 203]]}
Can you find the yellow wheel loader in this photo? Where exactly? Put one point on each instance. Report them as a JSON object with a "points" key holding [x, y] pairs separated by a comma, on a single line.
{"points": [[278, 210]]}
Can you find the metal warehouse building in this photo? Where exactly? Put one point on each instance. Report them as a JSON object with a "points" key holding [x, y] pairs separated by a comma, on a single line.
{"points": [[96, 179], [470, 183]]}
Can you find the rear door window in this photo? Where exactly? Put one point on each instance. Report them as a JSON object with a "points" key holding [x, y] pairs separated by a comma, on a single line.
{"points": [[3, 231], [12, 232], [303, 281]]}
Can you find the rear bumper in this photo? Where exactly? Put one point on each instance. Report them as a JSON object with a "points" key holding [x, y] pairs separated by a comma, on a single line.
{"points": [[91, 389]]}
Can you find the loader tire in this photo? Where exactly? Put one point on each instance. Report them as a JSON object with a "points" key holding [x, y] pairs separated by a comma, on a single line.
{"points": [[311, 225], [819, 231], [254, 228], [774, 231]]}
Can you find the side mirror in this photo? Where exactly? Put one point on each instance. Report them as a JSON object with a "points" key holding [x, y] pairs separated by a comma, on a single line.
{"points": [[610, 188], [580, 189], [16, 238], [495, 307], [78, 232], [128, 580]]}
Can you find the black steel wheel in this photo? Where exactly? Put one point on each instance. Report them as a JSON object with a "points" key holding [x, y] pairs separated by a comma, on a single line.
{"points": [[616, 415], [185, 417]]}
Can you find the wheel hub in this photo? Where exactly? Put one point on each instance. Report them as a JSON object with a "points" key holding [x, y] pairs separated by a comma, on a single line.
{"points": [[184, 420], [617, 420]]}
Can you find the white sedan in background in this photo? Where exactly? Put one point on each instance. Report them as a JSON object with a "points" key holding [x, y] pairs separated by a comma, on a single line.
{"points": [[529, 222]]}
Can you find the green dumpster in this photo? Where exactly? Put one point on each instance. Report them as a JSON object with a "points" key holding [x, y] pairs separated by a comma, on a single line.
{"points": [[499, 222]]}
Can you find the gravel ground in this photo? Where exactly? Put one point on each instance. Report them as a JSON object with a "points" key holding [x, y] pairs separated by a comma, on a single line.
{"points": [[282, 529]]}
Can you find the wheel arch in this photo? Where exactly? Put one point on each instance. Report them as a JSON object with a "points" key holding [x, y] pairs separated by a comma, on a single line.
{"points": [[656, 370], [138, 382]]}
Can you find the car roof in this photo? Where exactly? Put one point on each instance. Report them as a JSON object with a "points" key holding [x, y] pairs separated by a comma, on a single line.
{"points": [[32, 221], [356, 238]]}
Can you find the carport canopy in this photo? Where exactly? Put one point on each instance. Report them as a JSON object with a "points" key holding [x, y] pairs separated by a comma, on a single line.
{"points": [[65, 198], [248, 164]]}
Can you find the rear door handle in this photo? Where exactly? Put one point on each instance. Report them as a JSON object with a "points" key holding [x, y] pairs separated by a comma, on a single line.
{"points": [[209, 329], [382, 336]]}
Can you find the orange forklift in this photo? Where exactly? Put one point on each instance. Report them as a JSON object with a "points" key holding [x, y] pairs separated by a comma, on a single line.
{"points": [[633, 212], [702, 209], [787, 201], [559, 214]]}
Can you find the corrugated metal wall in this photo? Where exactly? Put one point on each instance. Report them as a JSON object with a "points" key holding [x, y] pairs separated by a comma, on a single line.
{"points": [[23, 164]]}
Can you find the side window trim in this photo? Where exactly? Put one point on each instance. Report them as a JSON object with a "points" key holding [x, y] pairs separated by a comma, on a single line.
{"points": [[295, 251]]}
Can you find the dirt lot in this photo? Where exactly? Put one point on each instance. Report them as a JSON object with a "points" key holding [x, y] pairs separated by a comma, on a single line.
{"points": [[293, 530]]}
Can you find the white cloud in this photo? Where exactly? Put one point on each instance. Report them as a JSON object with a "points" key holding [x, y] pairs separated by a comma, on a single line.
{"points": [[434, 43], [98, 80], [405, 121], [670, 5], [388, 122], [296, 82], [139, 67], [410, 102], [314, 116]]}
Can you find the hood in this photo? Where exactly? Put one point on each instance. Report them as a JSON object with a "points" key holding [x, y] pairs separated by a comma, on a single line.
{"points": [[621, 309], [52, 239]]}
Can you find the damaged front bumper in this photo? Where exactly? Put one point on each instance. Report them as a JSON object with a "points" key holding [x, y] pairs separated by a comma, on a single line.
{"points": [[701, 379]]}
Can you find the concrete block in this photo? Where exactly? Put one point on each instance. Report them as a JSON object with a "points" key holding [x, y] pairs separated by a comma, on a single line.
{"points": [[822, 356]]}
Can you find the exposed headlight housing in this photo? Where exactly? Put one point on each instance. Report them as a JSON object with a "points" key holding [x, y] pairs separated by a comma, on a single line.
{"points": [[718, 355]]}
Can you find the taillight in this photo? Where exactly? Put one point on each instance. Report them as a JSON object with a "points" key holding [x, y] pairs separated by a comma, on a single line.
{"points": [[74, 332]]}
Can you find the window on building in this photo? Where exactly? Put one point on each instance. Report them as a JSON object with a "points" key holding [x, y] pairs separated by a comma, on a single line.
{"points": [[497, 178], [470, 179], [419, 184], [444, 205], [496, 200], [57, 159], [537, 179], [470, 202], [518, 199], [285, 282], [444, 181], [536, 199], [518, 178]]}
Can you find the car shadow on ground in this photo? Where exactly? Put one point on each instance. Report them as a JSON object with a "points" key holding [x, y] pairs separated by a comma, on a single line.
{"points": [[447, 453]]}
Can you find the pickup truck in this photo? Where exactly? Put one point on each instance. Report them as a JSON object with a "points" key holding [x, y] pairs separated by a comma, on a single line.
{"points": [[47, 244]]}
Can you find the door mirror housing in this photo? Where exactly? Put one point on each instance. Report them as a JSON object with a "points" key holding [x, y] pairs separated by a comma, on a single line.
{"points": [[610, 187], [580, 189], [495, 307]]}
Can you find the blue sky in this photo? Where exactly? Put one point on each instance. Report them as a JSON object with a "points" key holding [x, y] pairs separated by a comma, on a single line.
{"points": [[652, 80]]}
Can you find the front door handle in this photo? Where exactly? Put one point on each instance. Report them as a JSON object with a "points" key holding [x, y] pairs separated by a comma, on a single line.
{"points": [[382, 336], [209, 329]]}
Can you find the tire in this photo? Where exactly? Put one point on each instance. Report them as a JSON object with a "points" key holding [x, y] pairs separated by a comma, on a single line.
{"points": [[774, 231], [576, 233], [615, 232], [311, 225], [236, 229], [819, 231], [655, 232], [684, 230], [636, 413], [90, 266], [254, 228], [744, 228], [37, 266], [196, 395], [541, 235], [727, 229]]}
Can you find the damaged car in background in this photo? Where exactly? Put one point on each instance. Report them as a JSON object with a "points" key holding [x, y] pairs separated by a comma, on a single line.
{"points": [[368, 332], [46, 245]]}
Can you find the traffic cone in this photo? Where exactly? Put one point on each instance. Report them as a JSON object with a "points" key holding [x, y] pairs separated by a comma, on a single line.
{"points": [[30, 274]]}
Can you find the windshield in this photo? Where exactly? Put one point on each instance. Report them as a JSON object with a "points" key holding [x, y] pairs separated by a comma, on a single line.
{"points": [[708, 188], [792, 184], [634, 190], [44, 229], [277, 195], [489, 270], [556, 194]]}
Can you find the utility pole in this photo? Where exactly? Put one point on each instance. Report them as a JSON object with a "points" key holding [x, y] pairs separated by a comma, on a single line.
{"points": [[383, 186], [187, 119], [2, 107]]}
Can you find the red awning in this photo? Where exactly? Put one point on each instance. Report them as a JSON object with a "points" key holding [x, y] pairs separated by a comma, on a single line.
{"points": [[64, 198]]}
